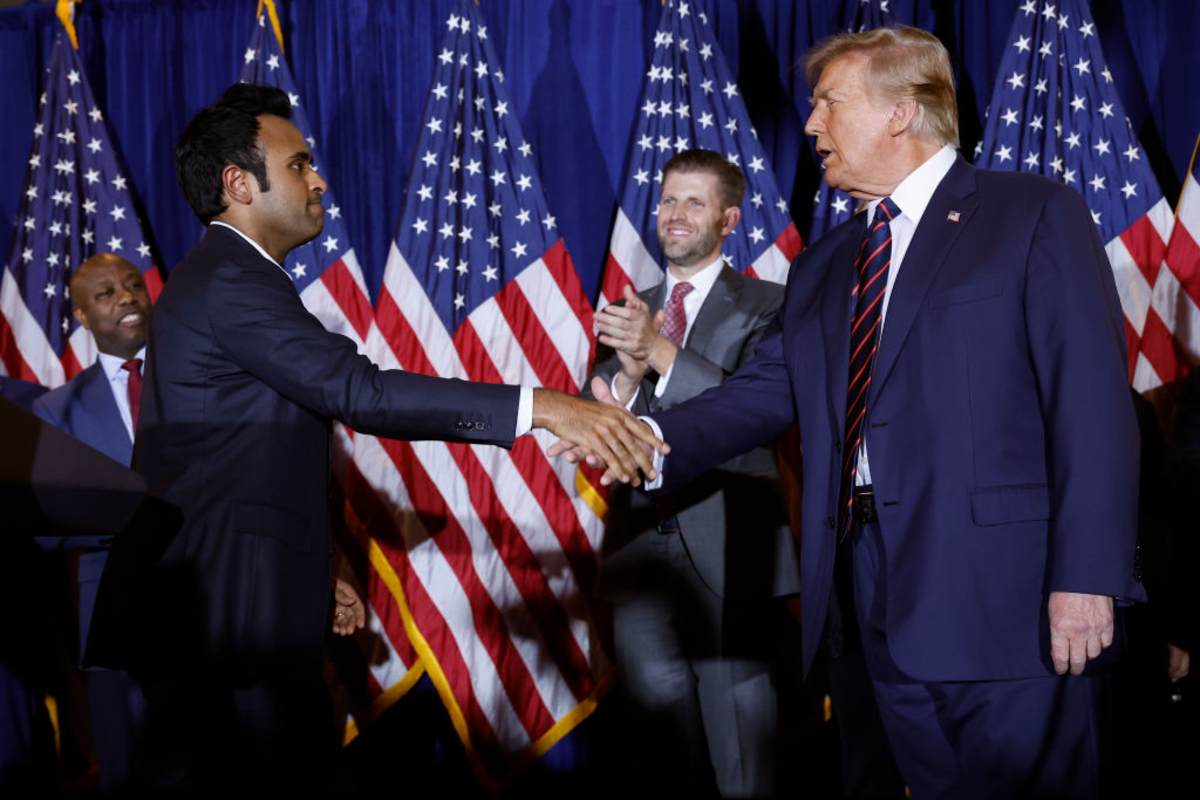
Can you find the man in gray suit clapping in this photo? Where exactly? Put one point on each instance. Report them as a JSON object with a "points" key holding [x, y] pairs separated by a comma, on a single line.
{"points": [[693, 576]]}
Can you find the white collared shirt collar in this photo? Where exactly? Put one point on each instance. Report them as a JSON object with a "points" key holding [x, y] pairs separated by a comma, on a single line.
{"points": [[112, 364], [253, 244], [702, 283], [912, 195]]}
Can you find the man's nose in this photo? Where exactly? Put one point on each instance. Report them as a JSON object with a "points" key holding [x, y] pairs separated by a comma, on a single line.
{"points": [[318, 182], [815, 124]]}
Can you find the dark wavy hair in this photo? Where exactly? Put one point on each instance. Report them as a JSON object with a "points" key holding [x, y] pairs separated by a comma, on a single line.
{"points": [[223, 133]]}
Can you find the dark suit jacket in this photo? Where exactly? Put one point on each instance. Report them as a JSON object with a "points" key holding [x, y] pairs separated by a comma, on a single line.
{"points": [[241, 386], [85, 408], [1002, 438], [733, 519]]}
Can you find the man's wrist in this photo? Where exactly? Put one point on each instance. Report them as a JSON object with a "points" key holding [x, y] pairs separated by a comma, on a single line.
{"points": [[662, 355], [542, 407]]}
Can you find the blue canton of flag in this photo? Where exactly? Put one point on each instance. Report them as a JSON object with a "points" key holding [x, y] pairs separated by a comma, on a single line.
{"points": [[476, 215], [692, 101], [492, 559], [76, 203], [1055, 111], [325, 270], [832, 207]]}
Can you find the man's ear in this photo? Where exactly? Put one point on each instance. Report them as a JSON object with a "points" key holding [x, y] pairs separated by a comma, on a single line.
{"points": [[80, 318], [235, 182], [730, 218], [904, 115]]}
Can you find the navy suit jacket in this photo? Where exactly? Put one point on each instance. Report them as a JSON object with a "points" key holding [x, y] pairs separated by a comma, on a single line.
{"points": [[242, 384], [85, 408], [1002, 437]]}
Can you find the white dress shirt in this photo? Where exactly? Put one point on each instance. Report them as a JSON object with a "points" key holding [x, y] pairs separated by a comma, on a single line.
{"points": [[911, 196], [118, 381], [702, 283], [524, 404]]}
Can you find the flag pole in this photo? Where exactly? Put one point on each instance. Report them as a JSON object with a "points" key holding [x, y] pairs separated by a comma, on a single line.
{"points": [[66, 15], [274, 15]]}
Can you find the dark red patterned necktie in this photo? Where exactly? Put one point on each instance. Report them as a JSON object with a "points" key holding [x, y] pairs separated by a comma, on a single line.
{"points": [[675, 325], [134, 367], [871, 269]]}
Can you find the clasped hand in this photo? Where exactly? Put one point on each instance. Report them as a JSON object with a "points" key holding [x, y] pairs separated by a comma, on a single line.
{"points": [[601, 432]]}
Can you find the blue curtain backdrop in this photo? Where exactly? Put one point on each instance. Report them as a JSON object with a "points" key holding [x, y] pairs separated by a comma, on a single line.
{"points": [[575, 70]]}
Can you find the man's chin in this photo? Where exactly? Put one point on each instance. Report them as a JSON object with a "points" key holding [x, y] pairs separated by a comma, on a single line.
{"points": [[314, 233]]}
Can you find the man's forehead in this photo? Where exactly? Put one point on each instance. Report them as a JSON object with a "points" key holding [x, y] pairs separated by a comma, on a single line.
{"points": [[280, 134], [102, 269], [681, 182], [842, 73]]}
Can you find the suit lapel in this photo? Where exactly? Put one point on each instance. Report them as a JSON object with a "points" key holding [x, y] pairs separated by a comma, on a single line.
{"points": [[107, 429], [835, 319], [716, 313], [931, 242]]}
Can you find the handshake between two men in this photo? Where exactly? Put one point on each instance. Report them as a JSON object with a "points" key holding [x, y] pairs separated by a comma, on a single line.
{"points": [[603, 432]]}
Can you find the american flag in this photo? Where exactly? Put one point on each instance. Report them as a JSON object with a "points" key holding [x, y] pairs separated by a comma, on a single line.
{"points": [[331, 285], [832, 207], [1182, 286], [76, 203], [496, 555], [692, 101], [1055, 111]]}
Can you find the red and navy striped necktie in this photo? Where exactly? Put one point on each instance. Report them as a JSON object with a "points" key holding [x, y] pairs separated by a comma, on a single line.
{"points": [[871, 270]]}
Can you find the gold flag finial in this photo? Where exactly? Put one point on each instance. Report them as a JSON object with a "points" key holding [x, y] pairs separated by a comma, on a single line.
{"points": [[274, 16], [66, 15]]}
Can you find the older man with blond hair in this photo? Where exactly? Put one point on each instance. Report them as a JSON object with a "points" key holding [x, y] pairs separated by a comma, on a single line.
{"points": [[954, 358]]}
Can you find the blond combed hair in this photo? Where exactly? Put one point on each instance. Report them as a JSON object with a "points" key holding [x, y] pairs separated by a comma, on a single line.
{"points": [[903, 62]]}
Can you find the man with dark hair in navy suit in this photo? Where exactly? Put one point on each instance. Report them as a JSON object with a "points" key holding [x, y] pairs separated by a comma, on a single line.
{"points": [[955, 360], [242, 384], [99, 407]]}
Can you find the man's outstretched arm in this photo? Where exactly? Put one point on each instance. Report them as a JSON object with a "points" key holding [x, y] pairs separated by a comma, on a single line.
{"points": [[617, 438]]}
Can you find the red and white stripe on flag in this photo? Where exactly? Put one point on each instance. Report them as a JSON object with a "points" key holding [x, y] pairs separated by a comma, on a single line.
{"points": [[491, 552], [1177, 288]]}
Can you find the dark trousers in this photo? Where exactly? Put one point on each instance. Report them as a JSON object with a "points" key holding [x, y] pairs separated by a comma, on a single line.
{"points": [[206, 734], [698, 674], [1035, 738]]}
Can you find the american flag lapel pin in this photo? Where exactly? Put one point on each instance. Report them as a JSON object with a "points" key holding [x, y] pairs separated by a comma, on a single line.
{"points": [[952, 216]]}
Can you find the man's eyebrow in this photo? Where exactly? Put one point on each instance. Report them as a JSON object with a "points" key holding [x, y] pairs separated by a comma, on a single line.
{"points": [[301, 155]]}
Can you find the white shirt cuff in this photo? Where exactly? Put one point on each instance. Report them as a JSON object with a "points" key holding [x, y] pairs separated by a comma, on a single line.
{"points": [[660, 388], [524, 412], [659, 458]]}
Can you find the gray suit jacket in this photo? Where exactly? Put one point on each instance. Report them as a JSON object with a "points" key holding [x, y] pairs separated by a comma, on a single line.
{"points": [[733, 519]]}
